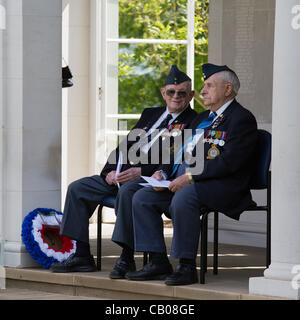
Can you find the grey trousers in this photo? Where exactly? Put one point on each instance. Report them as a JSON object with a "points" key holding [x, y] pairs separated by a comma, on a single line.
{"points": [[83, 197], [183, 206]]}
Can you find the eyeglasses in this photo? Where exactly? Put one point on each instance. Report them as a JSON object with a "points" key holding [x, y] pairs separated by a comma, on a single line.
{"points": [[171, 93]]}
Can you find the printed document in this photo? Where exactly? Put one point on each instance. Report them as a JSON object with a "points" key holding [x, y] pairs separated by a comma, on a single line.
{"points": [[156, 183]]}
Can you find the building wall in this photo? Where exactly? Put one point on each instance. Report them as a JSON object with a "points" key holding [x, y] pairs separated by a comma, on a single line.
{"points": [[31, 117], [241, 35], [39, 119]]}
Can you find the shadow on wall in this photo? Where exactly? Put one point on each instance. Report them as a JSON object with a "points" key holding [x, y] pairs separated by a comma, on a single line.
{"points": [[54, 159]]}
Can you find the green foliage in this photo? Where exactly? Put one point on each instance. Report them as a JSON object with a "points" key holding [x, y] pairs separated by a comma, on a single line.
{"points": [[143, 67]]}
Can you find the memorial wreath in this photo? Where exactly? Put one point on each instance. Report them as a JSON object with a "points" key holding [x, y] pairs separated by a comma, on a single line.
{"points": [[42, 238]]}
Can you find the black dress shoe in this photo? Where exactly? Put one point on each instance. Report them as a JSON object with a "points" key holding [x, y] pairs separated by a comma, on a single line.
{"points": [[121, 268], [184, 274], [151, 271], [75, 264]]}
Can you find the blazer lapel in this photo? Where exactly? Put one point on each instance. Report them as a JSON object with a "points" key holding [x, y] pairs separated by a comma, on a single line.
{"points": [[181, 117], [153, 118], [222, 117]]}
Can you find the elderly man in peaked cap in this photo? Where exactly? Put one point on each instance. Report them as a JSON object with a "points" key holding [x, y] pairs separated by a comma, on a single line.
{"points": [[84, 195], [230, 133]]}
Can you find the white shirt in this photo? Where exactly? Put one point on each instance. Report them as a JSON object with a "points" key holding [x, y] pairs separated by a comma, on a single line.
{"points": [[196, 138], [222, 109], [161, 118], [146, 148]]}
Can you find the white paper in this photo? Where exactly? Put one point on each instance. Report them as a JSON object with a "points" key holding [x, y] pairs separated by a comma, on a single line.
{"points": [[119, 166], [157, 183], [145, 184]]}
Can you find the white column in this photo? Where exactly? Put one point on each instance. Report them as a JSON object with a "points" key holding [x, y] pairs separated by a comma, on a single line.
{"points": [[32, 118], [282, 277], [2, 101], [191, 43], [75, 100]]}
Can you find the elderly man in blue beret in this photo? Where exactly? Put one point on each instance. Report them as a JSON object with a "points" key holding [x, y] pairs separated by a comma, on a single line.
{"points": [[230, 133]]}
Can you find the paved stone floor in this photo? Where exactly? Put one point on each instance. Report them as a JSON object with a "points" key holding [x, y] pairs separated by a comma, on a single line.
{"points": [[236, 265]]}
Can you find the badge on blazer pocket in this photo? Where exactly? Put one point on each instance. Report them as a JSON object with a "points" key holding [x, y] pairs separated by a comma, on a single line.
{"points": [[213, 152]]}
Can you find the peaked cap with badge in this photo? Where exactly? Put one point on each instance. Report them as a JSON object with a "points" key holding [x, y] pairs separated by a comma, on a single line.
{"points": [[176, 76], [208, 69]]}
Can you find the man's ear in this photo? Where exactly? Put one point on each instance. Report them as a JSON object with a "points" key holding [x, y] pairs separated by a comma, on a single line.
{"points": [[163, 92], [229, 89]]}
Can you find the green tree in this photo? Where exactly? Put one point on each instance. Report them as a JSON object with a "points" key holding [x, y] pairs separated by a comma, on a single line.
{"points": [[143, 67]]}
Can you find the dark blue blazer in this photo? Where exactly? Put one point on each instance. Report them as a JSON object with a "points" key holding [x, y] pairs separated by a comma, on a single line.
{"points": [[148, 117], [224, 182]]}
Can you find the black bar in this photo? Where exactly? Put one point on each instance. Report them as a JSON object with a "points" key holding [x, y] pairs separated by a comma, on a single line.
{"points": [[99, 237], [216, 240], [205, 242], [145, 258], [268, 255], [202, 250]]}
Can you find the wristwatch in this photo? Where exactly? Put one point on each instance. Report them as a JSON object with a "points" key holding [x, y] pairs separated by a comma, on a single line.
{"points": [[190, 177]]}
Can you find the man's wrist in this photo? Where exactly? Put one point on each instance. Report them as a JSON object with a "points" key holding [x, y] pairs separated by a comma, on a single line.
{"points": [[190, 178]]}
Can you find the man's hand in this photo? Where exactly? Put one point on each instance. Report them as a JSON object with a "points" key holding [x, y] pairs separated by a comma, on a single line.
{"points": [[129, 175], [111, 178], [158, 176], [179, 183]]}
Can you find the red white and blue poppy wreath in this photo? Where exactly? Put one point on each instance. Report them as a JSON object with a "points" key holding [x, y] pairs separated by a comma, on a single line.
{"points": [[40, 234]]}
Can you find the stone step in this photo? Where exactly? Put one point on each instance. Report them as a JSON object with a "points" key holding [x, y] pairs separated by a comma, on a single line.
{"points": [[99, 285], [26, 294]]}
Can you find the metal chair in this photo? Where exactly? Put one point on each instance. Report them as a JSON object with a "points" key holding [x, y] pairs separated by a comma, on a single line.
{"points": [[261, 179], [109, 202]]}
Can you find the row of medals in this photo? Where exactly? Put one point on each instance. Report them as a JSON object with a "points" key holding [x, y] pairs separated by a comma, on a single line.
{"points": [[216, 141], [213, 150]]}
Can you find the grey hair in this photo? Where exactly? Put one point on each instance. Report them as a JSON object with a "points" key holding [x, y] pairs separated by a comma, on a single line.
{"points": [[231, 77]]}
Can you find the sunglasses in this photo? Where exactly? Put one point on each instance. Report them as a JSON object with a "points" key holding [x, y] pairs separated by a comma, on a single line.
{"points": [[171, 93]]}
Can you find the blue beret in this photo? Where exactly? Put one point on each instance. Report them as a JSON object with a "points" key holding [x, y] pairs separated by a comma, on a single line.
{"points": [[208, 69], [176, 76]]}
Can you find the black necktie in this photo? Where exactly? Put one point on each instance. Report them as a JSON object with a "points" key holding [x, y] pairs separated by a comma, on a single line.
{"points": [[165, 122], [147, 138]]}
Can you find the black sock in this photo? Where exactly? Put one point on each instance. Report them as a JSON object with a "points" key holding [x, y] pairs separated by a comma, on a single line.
{"points": [[82, 249], [188, 261], [127, 254], [159, 257]]}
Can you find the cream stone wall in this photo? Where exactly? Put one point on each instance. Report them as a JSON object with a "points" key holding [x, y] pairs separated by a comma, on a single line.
{"points": [[241, 35]]}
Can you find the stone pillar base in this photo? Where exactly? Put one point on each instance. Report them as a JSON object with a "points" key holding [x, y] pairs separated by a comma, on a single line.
{"points": [[274, 288], [15, 255]]}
